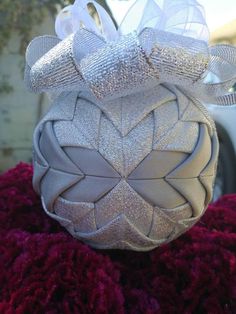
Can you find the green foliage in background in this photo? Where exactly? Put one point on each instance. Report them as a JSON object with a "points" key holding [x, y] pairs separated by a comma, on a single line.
{"points": [[20, 16]]}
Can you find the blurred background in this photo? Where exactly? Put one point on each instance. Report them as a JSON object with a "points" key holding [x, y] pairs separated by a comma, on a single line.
{"points": [[20, 21]]}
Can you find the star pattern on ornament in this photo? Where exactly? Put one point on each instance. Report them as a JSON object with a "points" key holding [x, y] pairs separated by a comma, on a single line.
{"points": [[124, 180]]}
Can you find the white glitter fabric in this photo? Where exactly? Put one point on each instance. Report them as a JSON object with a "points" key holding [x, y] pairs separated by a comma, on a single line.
{"points": [[127, 181]]}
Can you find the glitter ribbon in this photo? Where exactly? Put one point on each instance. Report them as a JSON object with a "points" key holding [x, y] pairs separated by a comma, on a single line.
{"points": [[87, 60]]}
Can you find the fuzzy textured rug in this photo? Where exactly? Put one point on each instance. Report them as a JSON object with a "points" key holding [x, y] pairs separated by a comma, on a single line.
{"points": [[45, 271]]}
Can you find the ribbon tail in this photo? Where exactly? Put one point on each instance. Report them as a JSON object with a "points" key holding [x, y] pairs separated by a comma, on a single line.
{"points": [[203, 94], [226, 100], [223, 67]]}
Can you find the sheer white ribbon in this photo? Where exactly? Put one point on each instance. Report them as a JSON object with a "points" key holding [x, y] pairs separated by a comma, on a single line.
{"points": [[182, 17], [73, 17]]}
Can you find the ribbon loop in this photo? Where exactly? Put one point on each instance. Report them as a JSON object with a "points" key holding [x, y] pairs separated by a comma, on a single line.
{"points": [[176, 59], [117, 68]]}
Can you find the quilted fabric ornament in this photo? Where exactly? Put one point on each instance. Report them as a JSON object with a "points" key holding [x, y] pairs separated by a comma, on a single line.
{"points": [[126, 156]]}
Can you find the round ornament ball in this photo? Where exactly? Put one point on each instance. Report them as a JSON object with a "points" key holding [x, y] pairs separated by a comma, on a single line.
{"points": [[131, 173]]}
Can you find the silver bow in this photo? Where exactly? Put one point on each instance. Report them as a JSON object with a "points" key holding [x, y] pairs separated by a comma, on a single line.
{"points": [[110, 69]]}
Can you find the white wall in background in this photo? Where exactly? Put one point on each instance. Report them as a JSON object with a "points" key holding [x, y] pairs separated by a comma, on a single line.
{"points": [[19, 110]]}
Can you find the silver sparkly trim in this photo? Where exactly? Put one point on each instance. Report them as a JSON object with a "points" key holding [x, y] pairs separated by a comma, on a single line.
{"points": [[56, 69], [84, 61], [116, 68]]}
